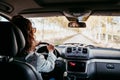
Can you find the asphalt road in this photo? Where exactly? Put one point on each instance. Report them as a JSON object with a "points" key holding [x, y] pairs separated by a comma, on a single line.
{"points": [[80, 39]]}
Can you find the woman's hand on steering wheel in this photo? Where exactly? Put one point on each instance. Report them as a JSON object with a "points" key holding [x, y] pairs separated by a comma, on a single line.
{"points": [[50, 48], [46, 47]]}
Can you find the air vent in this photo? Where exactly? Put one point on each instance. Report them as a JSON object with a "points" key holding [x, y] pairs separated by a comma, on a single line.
{"points": [[79, 48], [69, 49], [85, 51]]}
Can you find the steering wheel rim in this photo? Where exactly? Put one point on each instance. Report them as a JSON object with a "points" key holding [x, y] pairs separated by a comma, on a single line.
{"points": [[42, 48]]}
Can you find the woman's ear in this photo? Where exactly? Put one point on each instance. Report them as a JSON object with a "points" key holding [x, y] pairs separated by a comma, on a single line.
{"points": [[34, 30]]}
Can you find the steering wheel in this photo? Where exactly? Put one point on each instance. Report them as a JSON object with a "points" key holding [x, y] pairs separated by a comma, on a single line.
{"points": [[42, 48]]}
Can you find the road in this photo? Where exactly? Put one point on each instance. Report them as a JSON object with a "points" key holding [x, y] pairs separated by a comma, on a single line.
{"points": [[80, 39]]}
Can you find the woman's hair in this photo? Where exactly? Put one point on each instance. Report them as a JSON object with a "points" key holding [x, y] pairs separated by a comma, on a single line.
{"points": [[26, 27]]}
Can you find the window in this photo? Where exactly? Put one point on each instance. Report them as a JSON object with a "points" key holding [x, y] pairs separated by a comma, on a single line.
{"points": [[3, 19]]}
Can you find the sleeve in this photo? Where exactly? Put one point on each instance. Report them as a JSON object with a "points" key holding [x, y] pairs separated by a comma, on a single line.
{"points": [[40, 63], [46, 65]]}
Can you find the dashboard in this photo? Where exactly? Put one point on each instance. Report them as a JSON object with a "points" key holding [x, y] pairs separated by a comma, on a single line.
{"points": [[76, 52], [84, 62]]}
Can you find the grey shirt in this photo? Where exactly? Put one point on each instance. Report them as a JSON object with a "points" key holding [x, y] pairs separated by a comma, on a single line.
{"points": [[40, 63]]}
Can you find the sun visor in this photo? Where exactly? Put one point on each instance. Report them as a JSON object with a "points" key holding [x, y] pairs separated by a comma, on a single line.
{"points": [[5, 7]]}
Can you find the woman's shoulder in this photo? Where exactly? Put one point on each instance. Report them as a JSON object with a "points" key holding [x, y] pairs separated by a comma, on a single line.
{"points": [[33, 55]]}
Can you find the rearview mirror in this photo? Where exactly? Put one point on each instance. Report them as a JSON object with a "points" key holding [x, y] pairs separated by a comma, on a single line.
{"points": [[75, 24]]}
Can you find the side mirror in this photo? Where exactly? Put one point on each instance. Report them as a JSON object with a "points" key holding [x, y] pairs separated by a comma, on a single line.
{"points": [[75, 24]]}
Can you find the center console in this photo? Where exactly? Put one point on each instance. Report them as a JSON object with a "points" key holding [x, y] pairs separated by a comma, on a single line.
{"points": [[79, 69], [78, 65], [76, 52]]}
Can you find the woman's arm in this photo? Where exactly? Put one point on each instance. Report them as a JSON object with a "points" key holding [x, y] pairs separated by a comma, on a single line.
{"points": [[46, 65], [40, 63]]}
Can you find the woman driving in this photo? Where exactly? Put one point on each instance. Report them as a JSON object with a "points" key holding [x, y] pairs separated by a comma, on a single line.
{"points": [[29, 54]]}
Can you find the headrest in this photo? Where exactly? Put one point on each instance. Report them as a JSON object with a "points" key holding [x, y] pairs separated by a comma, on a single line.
{"points": [[11, 39]]}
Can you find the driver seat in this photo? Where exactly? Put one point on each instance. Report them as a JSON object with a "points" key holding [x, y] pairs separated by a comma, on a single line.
{"points": [[11, 42]]}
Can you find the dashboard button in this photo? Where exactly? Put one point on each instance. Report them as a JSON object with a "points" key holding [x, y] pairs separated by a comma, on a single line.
{"points": [[110, 66]]}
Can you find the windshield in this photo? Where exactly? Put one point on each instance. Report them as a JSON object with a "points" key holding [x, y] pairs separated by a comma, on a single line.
{"points": [[101, 31]]}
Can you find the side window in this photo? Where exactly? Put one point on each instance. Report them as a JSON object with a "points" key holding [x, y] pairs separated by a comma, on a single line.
{"points": [[3, 19]]}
